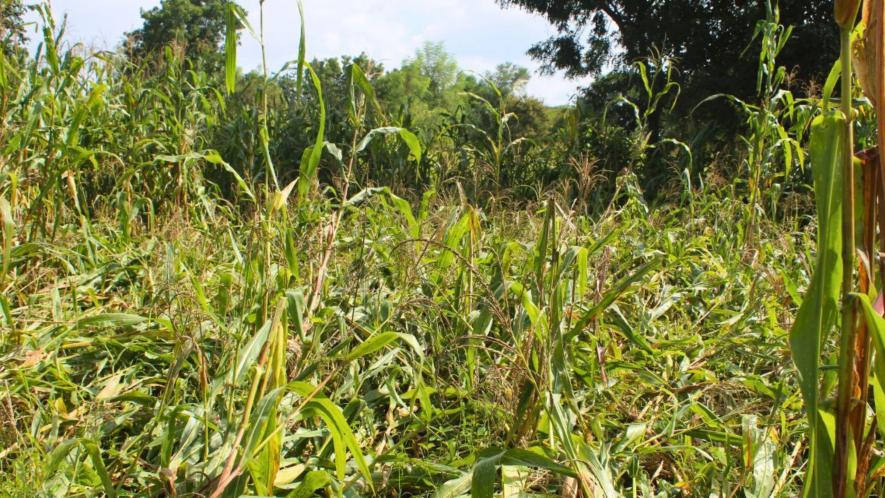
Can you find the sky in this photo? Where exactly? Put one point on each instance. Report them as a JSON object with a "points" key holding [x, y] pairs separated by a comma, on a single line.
{"points": [[479, 33]]}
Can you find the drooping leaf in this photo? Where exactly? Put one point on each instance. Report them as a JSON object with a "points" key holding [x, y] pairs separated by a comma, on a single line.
{"points": [[58, 454], [485, 470], [358, 80], [409, 138], [378, 341], [213, 157], [876, 325], [455, 487], [342, 436], [485, 473], [8, 225], [759, 457]]}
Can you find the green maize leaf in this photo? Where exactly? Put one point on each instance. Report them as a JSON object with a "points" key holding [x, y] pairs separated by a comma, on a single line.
{"points": [[402, 206], [8, 229], [58, 454], [230, 49], [342, 436], [263, 463], [51, 49], [359, 80], [213, 157], [310, 160], [529, 458], [248, 354], [612, 294], [820, 306], [409, 138], [371, 345], [302, 50], [111, 320], [760, 454], [452, 239], [95, 97], [405, 210], [296, 304], [485, 473], [378, 341], [485, 470], [313, 481], [455, 487], [879, 399], [100, 469]]}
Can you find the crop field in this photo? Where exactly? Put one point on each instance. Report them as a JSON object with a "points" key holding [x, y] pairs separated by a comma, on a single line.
{"points": [[336, 279]]}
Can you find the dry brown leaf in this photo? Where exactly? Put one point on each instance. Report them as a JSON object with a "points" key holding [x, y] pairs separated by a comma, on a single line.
{"points": [[33, 358], [869, 60], [868, 52], [845, 12]]}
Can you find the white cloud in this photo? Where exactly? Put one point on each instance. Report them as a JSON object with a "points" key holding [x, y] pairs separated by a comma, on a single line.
{"points": [[477, 32]]}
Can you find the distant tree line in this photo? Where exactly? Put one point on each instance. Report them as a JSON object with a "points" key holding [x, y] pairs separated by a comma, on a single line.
{"points": [[651, 63]]}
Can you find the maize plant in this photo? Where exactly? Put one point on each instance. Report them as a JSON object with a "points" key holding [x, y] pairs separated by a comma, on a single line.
{"points": [[850, 202]]}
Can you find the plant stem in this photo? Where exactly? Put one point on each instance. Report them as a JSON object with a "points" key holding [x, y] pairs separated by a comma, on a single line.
{"points": [[847, 339], [263, 130]]}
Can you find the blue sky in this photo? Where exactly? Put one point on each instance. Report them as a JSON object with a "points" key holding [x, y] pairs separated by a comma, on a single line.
{"points": [[478, 32]]}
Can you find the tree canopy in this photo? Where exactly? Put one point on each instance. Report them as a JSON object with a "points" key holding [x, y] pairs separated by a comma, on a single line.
{"points": [[509, 78], [195, 26], [708, 38], [12, 27]]}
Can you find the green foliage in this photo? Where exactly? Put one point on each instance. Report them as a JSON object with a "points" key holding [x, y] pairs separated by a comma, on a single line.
{"points": [[205, 291], [820, 308], [194, 28], [774, 157], [12, 26], [709, 39], [509, 79]]}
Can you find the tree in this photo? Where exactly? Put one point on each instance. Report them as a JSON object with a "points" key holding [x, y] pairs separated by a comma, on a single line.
{"points": [[438, 66], [12, 26], [196, 27], [425, 86], [509, 78], [708, 38]]}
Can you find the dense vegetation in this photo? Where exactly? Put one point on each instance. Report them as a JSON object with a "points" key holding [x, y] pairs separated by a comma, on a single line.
{"points": [[338, 279]]}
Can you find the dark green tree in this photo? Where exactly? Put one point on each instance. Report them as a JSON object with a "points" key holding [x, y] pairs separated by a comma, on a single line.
{"points": [[12, 26], [708, 38], [194, 27]]}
